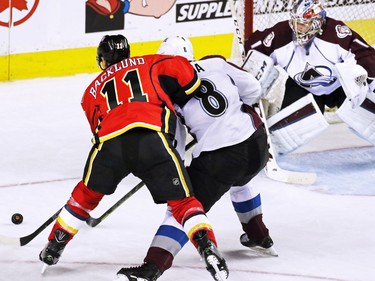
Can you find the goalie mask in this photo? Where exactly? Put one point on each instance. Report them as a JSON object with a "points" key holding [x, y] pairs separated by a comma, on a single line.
{"points": [[177, 46], [112, 49], [307, 20]]}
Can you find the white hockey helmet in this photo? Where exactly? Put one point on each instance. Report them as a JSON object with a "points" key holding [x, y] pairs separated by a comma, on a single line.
{"points": [[177, 46], [307, 20]]}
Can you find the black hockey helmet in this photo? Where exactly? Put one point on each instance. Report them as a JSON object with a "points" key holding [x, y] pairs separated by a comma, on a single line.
{"points": [[112, 49]]}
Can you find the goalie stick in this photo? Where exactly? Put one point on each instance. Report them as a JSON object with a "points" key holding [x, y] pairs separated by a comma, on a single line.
{"points": [[95, 221], [272, 169]]}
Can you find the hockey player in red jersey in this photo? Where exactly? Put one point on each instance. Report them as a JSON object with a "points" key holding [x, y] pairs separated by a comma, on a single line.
{"points": [[129, 107], [328, 65], [231, 149]]}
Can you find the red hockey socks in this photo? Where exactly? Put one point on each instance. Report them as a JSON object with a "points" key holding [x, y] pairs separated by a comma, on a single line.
{"points": [[76, 211], [190, 214]]}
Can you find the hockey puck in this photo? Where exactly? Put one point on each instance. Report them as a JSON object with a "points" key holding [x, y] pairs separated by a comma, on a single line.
{"points": [[17, 218]]}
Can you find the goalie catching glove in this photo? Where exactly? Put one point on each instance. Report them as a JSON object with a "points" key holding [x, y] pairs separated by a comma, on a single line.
{"points": [[353, 79]]}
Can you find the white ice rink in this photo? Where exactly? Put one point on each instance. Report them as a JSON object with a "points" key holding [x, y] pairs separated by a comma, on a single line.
{"points": [[323, 232]]}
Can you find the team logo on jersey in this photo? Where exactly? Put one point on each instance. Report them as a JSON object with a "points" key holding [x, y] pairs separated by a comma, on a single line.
{"points": [[313, 76], [343, 31], [268, 40]]}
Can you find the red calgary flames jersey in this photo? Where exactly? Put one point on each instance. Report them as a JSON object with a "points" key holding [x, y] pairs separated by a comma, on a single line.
{"points": [[138, 92]]}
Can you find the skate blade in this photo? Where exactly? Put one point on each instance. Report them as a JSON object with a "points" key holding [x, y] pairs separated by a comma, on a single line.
{"points": [[221, 275], [263, 251], [121, 277], [44, 268]]}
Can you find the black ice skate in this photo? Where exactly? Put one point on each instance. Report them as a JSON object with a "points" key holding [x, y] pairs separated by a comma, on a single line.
{"points": [[263, 246], [216, 265], [145, 272], [52, 251]]}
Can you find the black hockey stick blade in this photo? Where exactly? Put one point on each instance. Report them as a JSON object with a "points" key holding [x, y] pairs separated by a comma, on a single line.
{"points": [[22, 241], [95, 221]]}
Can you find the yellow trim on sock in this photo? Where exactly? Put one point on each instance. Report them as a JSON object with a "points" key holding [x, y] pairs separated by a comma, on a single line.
{"points": [[65, 226]]}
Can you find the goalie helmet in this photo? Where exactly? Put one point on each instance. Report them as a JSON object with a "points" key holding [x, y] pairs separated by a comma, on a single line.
{"points": [[112, 49], [307, 20], [177, 46]]}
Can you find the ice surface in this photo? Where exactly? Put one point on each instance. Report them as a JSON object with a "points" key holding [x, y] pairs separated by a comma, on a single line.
{"points": [[322, 232]]}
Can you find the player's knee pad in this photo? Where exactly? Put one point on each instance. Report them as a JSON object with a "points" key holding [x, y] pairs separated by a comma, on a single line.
{"points": [[296, 124], [360, 119]]}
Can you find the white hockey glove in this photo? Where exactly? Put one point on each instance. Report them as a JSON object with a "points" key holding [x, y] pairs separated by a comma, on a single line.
{"points": [[353, 79], [262, 68]]}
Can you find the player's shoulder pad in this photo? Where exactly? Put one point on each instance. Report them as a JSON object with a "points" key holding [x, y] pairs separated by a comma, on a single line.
{"points": [[336, 32]]}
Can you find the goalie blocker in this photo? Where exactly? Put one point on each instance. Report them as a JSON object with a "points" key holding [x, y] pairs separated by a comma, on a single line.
{"points": [[296, 124], [262, 68]]}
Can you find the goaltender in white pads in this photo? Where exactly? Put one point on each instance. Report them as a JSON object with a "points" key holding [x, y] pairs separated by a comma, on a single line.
{"points": [[300, 122], [296, 124], [358, 110]]}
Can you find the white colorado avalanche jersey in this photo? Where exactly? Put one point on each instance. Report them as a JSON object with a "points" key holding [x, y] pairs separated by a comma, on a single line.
{"points": [[215, 117], [312, 67]]}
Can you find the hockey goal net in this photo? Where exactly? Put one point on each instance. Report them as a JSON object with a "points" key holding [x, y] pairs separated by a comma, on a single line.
{"points": [[253, 15]]}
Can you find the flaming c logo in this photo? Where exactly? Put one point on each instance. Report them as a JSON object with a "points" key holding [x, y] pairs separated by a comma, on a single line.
{"points": [[21, 6]]}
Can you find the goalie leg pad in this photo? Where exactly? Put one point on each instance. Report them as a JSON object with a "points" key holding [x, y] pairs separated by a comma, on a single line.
{"points": [[360, 119], [296, 125]]}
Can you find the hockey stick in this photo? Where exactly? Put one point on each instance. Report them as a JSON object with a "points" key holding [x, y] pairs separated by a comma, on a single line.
{"points": [[22, 241], [95, 221], [272, 169]]}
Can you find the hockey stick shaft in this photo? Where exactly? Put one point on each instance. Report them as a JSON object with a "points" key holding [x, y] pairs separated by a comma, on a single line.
{"points": [[22, 241], [95, 221]]}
